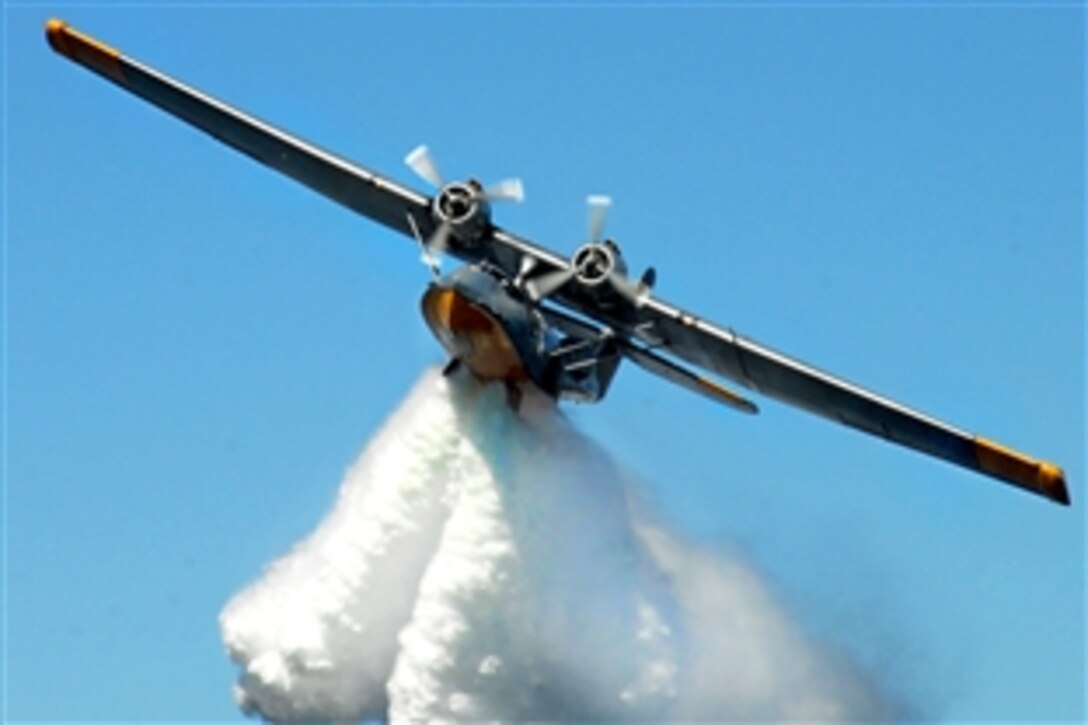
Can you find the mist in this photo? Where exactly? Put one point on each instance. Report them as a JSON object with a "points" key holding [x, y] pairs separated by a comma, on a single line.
{"points": [[484, 564]]}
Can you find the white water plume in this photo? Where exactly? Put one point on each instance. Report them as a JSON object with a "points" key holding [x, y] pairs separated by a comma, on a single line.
{"points": [[485, 565]]}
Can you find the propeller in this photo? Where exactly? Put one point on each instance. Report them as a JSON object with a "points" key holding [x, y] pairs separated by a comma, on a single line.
{"points": [[546, 284], [423, 164]]}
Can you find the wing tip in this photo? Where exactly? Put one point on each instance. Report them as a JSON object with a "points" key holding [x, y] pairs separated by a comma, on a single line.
{"points": [[74, 45], [1052, 484], [1041, 477], [55, 33]]}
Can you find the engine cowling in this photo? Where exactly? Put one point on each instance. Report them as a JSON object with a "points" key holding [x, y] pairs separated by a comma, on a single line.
{"points": [[463, 207], [595, 263]]}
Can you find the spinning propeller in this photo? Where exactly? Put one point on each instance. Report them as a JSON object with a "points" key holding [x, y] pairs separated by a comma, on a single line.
{"points": [[456, 202], [595, 263]]}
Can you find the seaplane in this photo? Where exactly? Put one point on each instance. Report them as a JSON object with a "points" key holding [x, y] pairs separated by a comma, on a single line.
{"points": [[519, 313]]}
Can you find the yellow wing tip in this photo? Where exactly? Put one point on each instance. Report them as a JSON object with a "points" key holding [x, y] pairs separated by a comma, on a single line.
{"points": [[58, 39], [1051, 481], [84, 49], [1041, 477]]}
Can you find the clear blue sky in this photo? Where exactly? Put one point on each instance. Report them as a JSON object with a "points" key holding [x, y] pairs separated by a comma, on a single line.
{"points": [[197, 347]]}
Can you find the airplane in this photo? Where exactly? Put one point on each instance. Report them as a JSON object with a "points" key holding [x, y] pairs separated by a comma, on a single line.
{"points": [[519, 313]]}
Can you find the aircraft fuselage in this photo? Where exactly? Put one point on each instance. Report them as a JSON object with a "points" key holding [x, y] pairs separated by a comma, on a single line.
{"points": [[483, 321]]}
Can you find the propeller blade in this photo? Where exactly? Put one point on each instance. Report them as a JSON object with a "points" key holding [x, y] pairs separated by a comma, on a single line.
{"points": [[547, 284], [528, 264], [424, 256], [434, 247], [506, 190], [634, 292], [421, 162], [598, 210]]}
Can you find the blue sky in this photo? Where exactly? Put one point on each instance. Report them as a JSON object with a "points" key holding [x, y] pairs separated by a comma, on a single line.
{"points": [[197, 348]]}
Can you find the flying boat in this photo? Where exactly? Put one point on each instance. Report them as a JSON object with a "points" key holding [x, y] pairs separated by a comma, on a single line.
{"points": [[519, 313]]}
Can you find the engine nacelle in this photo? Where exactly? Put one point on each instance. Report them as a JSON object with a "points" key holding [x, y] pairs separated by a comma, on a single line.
{"points": [[463, 207]]}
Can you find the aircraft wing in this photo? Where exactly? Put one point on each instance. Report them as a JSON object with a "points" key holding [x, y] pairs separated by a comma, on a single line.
{"points": [[656, 325], [663, 326], [348, 184]]}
